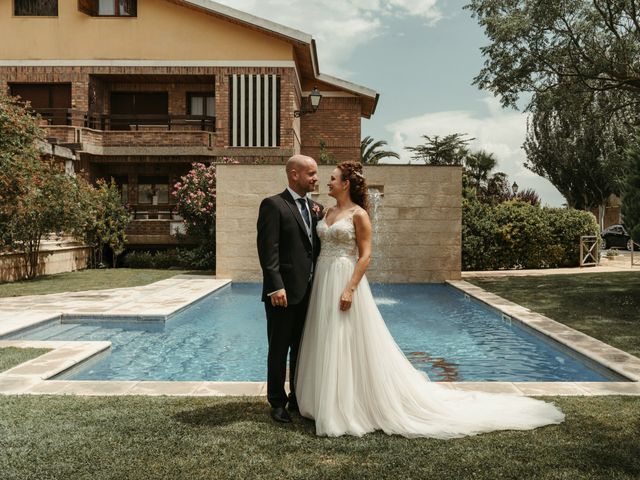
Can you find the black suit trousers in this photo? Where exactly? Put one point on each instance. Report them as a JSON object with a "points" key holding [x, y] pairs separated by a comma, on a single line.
{"points": [[284, 331]]}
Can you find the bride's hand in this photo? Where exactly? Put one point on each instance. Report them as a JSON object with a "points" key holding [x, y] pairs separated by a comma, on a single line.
{"points": [[346, 299]]}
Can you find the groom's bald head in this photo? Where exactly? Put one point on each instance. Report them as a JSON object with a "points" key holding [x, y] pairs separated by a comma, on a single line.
{"points": [[302, 174]]}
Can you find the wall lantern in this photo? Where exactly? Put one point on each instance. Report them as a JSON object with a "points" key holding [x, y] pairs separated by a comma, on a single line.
{"points": [[514, 188], [314, 100]]}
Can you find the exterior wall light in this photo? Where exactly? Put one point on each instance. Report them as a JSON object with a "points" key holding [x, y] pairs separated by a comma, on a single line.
{"points": [[514, 188], [314, 100]]}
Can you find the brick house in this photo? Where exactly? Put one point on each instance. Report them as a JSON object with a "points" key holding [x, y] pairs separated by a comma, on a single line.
{"points": [[140, 89]]}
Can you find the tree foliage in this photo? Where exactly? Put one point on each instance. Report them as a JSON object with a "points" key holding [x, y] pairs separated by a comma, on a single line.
{"points": [[448, 150], [106, 219], [325, 157], [38, 198], [372, 152], [574, 142], [478, 165], [631, 189], [18, 159], [516, 234], [537, 47]]}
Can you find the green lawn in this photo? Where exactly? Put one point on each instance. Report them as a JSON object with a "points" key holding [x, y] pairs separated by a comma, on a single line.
{"points": [[603, 305], [218, 438], [88, 280], [10, 356]]}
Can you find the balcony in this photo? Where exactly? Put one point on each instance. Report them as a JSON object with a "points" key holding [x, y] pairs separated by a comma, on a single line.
{"points": [[106, 134], [152, 225]]}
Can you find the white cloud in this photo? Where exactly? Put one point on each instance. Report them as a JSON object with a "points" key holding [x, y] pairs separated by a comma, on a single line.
{"points": [[338, 26], [501, 132]]}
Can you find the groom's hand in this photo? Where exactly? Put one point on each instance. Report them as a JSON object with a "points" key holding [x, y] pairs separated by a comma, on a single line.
{"points": [[279, 298]]}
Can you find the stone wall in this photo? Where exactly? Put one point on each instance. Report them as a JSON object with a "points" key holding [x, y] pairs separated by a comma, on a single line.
{"points": [[52, 260], [417, 225]]}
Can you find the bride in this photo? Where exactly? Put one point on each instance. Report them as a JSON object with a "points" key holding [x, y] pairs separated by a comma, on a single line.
{"points": [[352, 378]]}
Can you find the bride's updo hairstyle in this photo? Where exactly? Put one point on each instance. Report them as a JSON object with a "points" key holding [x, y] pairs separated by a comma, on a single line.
{"points": [[352, 171]]}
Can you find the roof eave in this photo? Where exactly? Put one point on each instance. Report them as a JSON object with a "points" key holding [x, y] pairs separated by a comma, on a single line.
{"points": [[232, 13]]}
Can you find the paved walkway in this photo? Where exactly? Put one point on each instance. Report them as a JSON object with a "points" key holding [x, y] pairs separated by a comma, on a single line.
{"points": [[156, 301], [621, 263]]}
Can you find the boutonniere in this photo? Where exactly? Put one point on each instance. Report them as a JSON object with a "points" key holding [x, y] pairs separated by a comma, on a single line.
{"points": [[315, 208]]}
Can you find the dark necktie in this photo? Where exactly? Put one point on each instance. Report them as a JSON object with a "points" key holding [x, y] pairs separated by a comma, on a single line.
{"points": [[305, 212]]}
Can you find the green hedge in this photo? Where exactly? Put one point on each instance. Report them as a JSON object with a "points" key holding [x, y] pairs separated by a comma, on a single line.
{"points": [[518, 235], [198, 258]]}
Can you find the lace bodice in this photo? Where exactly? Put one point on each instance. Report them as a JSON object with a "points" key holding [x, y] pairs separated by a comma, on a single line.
{"points": [[339, 239]]}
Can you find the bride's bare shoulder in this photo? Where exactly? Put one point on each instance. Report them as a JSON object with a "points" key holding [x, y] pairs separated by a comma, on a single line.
{"points": [[360, 215]]}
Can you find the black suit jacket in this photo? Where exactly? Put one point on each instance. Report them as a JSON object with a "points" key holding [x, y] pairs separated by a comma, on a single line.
{"points": [[286, 255]]}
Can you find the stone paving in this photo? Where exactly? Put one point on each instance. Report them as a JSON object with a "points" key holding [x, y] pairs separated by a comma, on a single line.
{"points": [[620, 263], [160, 300]]}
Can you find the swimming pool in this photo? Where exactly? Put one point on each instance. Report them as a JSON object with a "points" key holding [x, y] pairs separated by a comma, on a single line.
{"points": [[223, 338]]}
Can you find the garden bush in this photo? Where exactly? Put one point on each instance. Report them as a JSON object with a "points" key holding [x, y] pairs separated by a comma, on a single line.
{"points": [[516, 234], [136, 259], [198, 258]]}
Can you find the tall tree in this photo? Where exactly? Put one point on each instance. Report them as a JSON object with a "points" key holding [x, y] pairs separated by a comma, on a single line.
{"points": [[19, 159], [478, 165], [107, 222], [540, 46], [448, 150], [631, 189], [574, 141], [371, 153]]}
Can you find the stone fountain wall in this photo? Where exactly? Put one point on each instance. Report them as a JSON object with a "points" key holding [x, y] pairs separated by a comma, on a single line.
{"points": [[417, 222]]}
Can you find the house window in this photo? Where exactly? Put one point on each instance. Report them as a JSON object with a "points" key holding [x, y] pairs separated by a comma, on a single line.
{"points": [[51, 100], [119, 8], [201, 104], [153, 190], [35, 8], [109, 8], [254, 116], [122, 182]]}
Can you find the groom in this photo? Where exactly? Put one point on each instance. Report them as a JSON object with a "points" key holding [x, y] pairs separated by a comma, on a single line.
{"points": [[288, 248]]}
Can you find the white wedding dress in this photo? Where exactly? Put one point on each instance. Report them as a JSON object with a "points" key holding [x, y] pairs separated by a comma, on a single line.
{"points": [[352, 378]]}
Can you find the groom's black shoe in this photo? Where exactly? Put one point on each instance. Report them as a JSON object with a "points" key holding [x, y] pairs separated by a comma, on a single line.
{"points": [[279, 414], [292, 404]]}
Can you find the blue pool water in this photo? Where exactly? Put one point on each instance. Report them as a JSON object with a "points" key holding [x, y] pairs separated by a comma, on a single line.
{"points": [[223, 338]]}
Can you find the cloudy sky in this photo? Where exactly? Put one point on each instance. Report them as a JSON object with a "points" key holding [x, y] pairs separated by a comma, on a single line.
{"points": [[421, 56]]}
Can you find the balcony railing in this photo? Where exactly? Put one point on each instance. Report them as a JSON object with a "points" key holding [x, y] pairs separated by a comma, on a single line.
{"points": [[101, 121]]}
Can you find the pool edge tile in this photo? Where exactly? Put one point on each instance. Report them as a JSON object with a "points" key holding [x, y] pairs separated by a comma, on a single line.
{"points": [[606, 355]]}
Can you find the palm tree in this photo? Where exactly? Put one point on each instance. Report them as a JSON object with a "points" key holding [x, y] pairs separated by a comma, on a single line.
{"points": [[369, 152], [478, 166]]}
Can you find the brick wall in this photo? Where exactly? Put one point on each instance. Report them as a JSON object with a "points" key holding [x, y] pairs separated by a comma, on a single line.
{"points": [[337, 123]]}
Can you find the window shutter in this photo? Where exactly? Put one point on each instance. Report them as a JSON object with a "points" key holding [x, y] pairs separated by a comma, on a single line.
{"points": [[254, 116]]}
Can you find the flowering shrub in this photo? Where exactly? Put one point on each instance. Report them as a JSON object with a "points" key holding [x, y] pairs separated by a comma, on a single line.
{"points": [[195, 194]]}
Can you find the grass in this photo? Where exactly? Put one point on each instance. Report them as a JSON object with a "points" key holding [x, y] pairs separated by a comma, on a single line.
{"points": [[11, 356], [605, 306], [203, 438], [88, 280]]}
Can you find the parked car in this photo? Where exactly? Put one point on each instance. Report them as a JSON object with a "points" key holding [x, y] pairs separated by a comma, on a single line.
{"points": [[617, 236]]}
